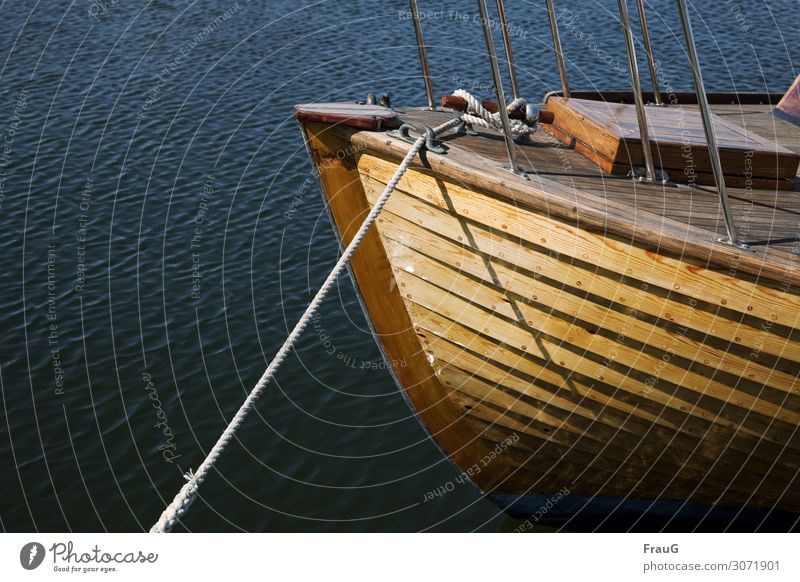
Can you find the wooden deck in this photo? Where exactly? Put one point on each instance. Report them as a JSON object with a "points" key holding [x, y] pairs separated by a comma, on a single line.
{"points": [[608, 133], [675, 217]]}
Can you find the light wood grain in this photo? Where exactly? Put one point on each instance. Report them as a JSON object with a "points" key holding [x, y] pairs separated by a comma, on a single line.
{"points": [[670, 273]]}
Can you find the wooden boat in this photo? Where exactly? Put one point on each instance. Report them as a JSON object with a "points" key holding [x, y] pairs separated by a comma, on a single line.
{"points": [[582, 345]]}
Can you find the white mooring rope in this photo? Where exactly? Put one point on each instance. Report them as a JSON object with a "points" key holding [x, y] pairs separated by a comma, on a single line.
{"points": [[187, 494], [477, 114]]}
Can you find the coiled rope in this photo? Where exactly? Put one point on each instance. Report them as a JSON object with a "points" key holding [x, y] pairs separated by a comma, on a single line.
{"points": [[188, 493], [477, 114]]}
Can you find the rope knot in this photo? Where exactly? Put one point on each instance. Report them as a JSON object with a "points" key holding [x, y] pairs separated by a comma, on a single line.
{"points": [[477, 114]]}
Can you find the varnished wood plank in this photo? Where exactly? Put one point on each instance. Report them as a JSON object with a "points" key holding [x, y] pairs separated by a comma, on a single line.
{"points": [[753, 340], [619, 324], [347, 114], [591, 210], [733, 292], [617, 451], [707, 394], [626, 368], [610, 130], [663, 455], [589, 396]]}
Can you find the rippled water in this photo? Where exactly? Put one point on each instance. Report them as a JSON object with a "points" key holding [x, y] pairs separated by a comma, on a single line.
{"points": [[162, 229]]}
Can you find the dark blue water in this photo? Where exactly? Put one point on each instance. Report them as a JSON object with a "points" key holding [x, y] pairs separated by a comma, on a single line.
{"points": [[161, 230]]}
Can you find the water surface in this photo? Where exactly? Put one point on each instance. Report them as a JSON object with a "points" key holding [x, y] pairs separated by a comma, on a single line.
{"points": [[161, 231]]}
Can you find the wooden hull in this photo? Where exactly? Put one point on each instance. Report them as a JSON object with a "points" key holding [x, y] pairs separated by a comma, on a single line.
{"points": [[579, 378]]}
